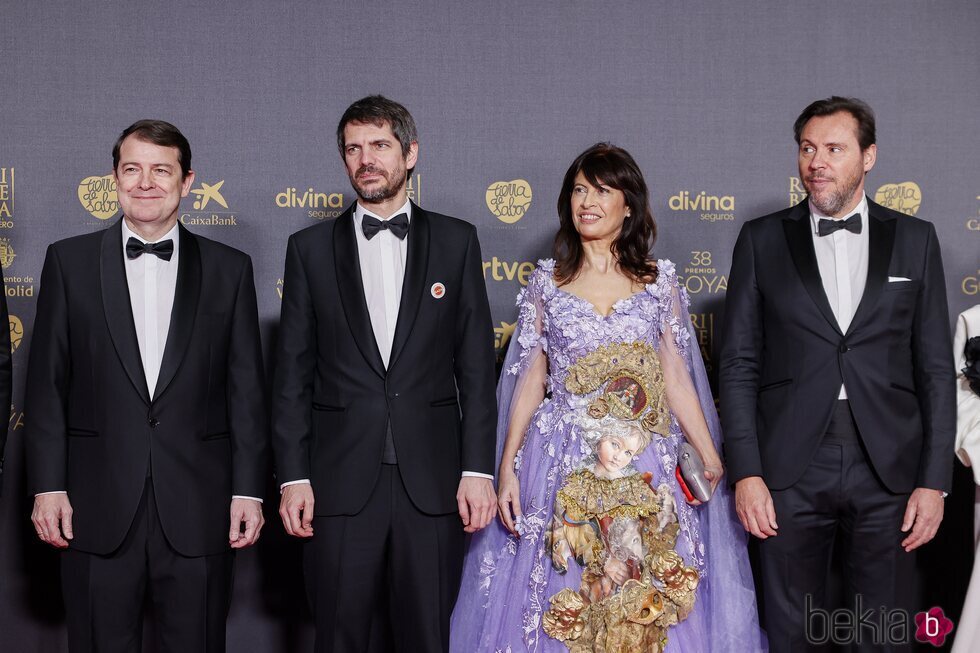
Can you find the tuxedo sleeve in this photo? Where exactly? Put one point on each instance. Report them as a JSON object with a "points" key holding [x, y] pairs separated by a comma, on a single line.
{"points": [[935, 379], [740, 362], [247, 413], [45, 437], [6, 375], [474, 365], [295, 367]]}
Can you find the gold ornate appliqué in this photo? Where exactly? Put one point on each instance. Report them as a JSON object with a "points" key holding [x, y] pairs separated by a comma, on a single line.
{"points": [[630, 383]]}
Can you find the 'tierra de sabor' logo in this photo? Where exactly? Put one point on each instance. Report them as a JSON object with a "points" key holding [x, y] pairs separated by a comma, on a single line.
{"points": [[711, 208], [6, 197], [16, 331], [98, 196], [904, 197], [209, 195], [509, 200]]}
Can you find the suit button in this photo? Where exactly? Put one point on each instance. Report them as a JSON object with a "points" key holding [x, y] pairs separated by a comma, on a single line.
{"points": [[844, 348], [154, 422]]}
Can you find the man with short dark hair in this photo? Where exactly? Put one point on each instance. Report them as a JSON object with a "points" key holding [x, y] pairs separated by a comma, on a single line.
{"points": [[836, 385], [147, 436], [384, 412]]}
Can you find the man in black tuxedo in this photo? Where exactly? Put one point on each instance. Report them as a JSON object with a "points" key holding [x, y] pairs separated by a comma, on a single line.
{"points": [[146, 433], [836, 385], [384, 409]]}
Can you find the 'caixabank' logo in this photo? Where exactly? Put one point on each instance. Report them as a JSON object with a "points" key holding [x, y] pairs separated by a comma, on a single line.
{"points": [[208, 200]]}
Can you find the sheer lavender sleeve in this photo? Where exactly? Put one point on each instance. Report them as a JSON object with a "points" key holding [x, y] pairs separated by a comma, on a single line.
{"points": [[524, 373], [727, 589]]}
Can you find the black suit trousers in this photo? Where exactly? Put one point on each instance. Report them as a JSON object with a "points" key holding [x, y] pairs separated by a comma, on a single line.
{"points": [[838, 496], [105, 594], [386, 579]]}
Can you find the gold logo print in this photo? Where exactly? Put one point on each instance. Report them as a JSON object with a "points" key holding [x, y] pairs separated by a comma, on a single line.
{"points": [[904, 197], [502, 334], [16, 332], [509, 200], [6, 253], [206, 193], [98, 196]]}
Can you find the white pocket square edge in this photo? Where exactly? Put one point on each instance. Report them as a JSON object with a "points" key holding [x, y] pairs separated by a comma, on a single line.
{"points": [[897, 279]]}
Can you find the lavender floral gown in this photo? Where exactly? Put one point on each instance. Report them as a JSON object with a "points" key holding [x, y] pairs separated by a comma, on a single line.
{"points": [[691, 588]]}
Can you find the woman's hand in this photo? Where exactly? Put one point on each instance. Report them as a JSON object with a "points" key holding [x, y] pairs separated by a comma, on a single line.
{"points": [[509, 499], [713, 471]]}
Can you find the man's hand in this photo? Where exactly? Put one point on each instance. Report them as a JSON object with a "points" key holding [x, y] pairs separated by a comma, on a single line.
{"points": [[52, 519], [477, 501], [249, 512], [923, 514], [296, 509], [753, 505]]}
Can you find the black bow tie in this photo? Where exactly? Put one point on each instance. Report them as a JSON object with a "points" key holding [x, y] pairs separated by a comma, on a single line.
{"points": [[397, 225], [852, 224], [136, 248]]}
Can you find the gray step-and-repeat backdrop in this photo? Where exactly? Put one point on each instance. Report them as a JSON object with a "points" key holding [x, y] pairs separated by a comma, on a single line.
{"points": [[505, 93]]}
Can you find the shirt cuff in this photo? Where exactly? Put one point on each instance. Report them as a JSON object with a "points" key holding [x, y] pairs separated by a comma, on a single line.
{"points": [[478, 475], [241, 496], [41, 494], [296, 482]]}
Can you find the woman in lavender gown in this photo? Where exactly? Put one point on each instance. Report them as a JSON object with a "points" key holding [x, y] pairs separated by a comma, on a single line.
{"points": [[598, 546]]}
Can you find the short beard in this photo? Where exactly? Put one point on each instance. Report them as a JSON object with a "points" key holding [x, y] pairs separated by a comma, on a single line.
{"points": [[380, 194], [836, 199]]}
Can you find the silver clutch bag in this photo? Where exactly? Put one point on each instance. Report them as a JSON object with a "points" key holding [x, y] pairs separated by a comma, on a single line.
{"points": [[690, 474]]}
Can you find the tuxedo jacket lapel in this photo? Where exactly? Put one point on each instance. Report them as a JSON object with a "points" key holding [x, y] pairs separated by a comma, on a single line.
{"points": [[413, 285], [351, 287], [881, 239], [118, 310], [182, 316], [798, 229]]}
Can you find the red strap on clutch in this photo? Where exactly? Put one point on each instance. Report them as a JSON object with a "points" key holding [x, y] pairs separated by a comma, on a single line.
{"points": [[680, 480]]}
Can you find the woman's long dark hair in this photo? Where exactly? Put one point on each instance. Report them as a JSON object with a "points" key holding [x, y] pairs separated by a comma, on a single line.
{"points": [[608, 165]]}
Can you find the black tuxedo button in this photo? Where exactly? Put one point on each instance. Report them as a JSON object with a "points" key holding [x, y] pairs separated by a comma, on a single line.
{"points": [[154, 422], [844, 348]]}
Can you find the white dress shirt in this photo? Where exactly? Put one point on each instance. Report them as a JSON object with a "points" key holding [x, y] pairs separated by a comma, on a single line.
{"points": [[842, 258], [382, 260], [152, 284]]}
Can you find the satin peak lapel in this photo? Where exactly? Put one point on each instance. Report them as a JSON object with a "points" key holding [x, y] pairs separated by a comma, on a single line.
{"points": [[118, 310], [186, 296], [348, 269], [797, 228], [416, 268], [881, 239]]}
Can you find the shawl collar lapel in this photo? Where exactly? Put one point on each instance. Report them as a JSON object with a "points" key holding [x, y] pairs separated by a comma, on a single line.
{"points": [[182, 316], [416, 269], [117, 308], [351, 287]]}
